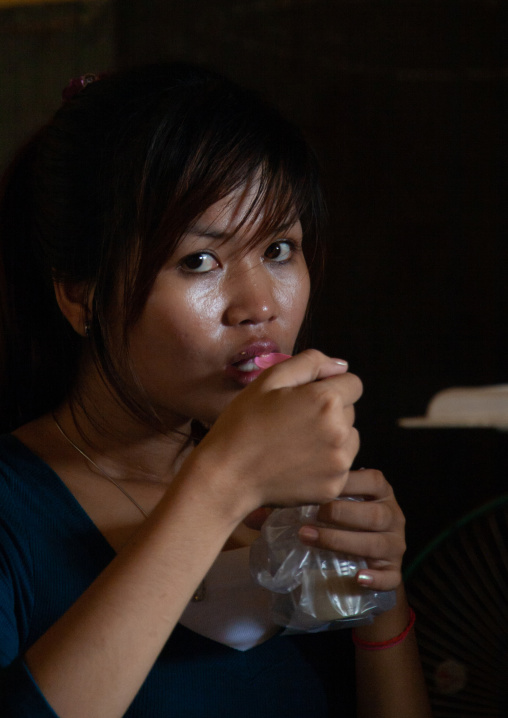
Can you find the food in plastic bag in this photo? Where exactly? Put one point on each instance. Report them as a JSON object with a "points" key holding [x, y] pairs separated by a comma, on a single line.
{"points": [[313, 589]]}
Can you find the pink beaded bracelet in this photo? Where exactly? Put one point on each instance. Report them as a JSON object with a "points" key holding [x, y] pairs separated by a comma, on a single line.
{"points": [[381, 645]]}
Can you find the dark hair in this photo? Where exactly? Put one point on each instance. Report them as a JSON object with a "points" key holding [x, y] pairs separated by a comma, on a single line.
{"points": [[107, 189]]}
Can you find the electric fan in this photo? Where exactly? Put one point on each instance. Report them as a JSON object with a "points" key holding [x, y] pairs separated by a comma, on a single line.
{"points": [[458, 587]]}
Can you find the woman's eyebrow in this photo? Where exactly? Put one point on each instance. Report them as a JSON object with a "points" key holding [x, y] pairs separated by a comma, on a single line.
{"points": [[209, 232], [222, 234]]}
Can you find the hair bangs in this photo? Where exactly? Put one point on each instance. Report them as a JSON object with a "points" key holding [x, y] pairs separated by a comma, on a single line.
{"points": [[277, 172]]}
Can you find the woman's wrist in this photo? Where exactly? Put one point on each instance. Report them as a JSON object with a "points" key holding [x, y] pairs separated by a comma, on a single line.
{"points": [[209, 480], [388, 625], [388, 643]]}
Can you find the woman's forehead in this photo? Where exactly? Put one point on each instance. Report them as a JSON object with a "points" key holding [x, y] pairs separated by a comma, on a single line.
{"points": [[244, 211]]}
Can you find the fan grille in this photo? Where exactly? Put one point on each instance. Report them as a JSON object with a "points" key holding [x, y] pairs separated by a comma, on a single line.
{"points": [[459, 590]]}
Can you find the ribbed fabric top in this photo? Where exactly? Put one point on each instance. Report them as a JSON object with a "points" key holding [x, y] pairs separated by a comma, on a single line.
{"points": [[50, 552]]}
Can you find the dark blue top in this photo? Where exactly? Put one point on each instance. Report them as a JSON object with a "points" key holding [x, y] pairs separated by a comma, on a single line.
{"points": [[50, 552]]}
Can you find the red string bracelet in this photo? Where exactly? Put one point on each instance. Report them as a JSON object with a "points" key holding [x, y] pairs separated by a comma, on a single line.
{"points": [[381, 645]]}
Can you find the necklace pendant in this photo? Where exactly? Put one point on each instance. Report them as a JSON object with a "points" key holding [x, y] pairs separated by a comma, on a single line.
{"points": [[199, 593]]}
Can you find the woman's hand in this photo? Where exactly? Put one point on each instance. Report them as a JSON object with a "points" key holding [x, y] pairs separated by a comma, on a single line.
{"points": [[372, 529], [288, 438]]}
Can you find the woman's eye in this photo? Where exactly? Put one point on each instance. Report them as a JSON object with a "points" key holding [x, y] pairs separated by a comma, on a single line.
{"points": [[280, 251], [200, 262]]}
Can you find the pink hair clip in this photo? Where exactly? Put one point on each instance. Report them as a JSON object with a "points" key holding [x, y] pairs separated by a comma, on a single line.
{"points": [[79, 83]]}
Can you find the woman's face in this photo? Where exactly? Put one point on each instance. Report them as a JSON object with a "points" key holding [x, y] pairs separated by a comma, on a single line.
{"points": [[219, 301]]}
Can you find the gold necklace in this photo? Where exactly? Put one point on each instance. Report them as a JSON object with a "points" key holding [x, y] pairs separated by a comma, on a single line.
{"points": [[200, 592], [100, 470]]}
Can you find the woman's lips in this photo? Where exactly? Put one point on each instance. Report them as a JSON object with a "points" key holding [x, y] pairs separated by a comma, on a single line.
{"points": [[244, 366], [256, 348]]}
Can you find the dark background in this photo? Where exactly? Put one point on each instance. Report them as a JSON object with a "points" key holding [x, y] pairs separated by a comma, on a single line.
{"points": [[406, 104]]}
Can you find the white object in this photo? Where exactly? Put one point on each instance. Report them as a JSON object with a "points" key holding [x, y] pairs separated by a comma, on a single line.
{"points": [[235, 610], [483, 406]]}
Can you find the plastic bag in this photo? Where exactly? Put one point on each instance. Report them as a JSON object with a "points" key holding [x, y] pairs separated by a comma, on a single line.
{"points": [[312, 589]]}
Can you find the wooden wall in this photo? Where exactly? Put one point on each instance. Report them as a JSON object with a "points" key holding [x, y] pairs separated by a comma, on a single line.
{"points": [[406, 103], [43, 45]]}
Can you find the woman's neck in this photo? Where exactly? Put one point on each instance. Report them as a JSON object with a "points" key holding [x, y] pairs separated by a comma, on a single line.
{"points": [[123, 447]]}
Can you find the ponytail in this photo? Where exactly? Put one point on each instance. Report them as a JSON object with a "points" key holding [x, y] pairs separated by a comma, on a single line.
{"points": [[37, 348]]}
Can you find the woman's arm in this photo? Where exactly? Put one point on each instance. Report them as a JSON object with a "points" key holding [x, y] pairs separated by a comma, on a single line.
{"points": [[289, 439], [94, 659], [390, 681]]}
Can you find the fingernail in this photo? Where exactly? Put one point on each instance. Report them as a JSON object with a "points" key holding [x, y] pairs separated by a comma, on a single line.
{"points": [[364, 578], [341, 362], [308, 534]]}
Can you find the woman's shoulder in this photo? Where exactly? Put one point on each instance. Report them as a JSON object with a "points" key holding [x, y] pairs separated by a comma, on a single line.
{"points": [[27, 494], [50, 552], [34, 437], [30, 490], [21, 467], [17, 464]]}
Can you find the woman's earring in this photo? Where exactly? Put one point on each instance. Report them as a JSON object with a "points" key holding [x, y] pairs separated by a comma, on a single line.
{"points": [[87, 330]]}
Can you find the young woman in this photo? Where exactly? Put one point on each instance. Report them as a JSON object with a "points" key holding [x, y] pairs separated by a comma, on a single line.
{"points": [[157, 236]]}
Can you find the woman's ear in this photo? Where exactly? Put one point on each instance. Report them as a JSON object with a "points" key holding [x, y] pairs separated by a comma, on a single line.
{"points": [[75, 302]]}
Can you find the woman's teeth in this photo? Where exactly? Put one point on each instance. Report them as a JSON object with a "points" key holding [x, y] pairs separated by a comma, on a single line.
{"points": [[247, 365], [261, 362]]}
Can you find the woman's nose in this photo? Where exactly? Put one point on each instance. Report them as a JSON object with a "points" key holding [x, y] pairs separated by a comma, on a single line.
{"points": [[251, 298]]}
